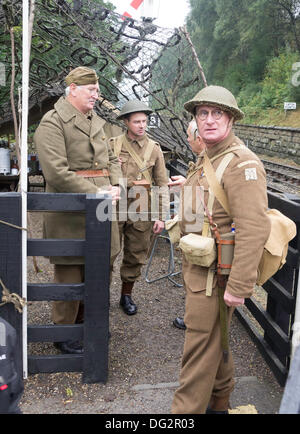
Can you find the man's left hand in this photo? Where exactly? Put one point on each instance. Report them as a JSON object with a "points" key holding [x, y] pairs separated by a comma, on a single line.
{"points": [[232, 300], [158, 227]]}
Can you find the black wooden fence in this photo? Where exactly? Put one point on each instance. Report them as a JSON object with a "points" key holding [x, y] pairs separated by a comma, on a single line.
{"points": [[11, 260], [277, 319], [94, 291], [272, 328]]}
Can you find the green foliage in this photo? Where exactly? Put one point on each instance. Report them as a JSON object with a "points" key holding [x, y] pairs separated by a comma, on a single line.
{"points": [[250, 48], [275, 89]]}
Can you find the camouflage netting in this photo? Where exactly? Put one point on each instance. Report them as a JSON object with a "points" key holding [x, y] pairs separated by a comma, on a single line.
{"points": [[134, 60]]}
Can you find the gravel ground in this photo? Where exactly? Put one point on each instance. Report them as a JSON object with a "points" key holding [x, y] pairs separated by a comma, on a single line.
{"points": [[145, 349]]}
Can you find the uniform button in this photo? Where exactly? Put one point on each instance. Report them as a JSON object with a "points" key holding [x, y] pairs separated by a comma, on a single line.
{"points": [[103, 138], [96, 164]]}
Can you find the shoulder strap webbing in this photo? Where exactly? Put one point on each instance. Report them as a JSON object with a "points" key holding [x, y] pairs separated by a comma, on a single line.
{"points": [[142, 164], [214, 182], [214, 179], [217, 176]]}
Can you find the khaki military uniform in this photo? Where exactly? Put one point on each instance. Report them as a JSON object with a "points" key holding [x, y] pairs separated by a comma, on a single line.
{"points": [[204, 374], [67, 141], [136, 234]]}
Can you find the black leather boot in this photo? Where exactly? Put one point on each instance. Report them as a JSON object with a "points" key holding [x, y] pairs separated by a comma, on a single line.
{"points": [[69, 347], [179, 323], [126, 302]]}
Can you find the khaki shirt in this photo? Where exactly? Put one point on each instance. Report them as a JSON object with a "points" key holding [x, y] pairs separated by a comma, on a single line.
{"points": [[244, 182], [155, 165]]}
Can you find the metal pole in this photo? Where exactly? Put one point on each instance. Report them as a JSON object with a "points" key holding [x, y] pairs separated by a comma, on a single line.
{"points": [[296, 325], [148, 9], [24, 168]]}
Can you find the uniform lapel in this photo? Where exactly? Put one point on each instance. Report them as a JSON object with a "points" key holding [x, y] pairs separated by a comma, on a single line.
{"points": [[82, 124], [96, 125]]}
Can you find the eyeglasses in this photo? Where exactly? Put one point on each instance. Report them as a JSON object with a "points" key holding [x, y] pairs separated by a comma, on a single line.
{"points": [[215, 113]]}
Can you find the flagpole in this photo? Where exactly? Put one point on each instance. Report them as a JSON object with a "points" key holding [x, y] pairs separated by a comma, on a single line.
{"points": [[24, 169]]}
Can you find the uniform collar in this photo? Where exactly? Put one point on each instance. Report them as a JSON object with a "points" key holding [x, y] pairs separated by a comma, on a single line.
{"points": [[67, 111], [141, 142], [220, 147]]}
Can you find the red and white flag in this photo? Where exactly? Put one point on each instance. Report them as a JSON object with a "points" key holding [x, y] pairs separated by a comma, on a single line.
{"points": [[132, 9]]}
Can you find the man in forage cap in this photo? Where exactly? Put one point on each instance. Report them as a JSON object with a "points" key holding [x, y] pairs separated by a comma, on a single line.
{"points": [[75, 158]]}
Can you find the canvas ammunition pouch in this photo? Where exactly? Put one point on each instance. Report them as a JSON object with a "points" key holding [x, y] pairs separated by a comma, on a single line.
{"points": [[198, 250], [275, 251], [172, 226]]}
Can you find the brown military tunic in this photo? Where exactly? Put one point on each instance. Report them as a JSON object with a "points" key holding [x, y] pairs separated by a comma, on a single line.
{"points": [[136, 235], [67, 141], [204, 373]]}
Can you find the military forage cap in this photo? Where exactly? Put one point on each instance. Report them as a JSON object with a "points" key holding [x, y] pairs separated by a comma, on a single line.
{"points": [[215, 96], [81, 76]]}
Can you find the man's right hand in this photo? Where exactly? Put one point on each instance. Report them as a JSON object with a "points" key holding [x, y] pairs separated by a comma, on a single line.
{"points": [[176, 182], [114, 191]]}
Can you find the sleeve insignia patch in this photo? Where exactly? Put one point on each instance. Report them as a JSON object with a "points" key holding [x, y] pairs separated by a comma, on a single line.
{"points": [[250, 174]]}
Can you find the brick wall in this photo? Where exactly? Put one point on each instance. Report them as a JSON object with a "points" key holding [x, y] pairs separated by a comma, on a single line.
{"points": [[282, 142]]}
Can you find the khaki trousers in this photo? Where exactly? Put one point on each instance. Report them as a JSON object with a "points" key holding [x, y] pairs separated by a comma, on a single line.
{"points": [[136, 241], [65, 312], [203, 372]]}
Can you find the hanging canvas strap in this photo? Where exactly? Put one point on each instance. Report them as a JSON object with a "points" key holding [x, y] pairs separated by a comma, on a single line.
{"points": [[215, 190]]}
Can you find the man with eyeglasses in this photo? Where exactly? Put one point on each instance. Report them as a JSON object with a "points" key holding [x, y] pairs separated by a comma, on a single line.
{"points": [[206, 377], [75, 158]]}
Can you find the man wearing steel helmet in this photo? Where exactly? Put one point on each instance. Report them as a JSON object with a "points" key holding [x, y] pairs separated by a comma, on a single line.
{"points": [[206, 377], [131, 147], [75, 158]]}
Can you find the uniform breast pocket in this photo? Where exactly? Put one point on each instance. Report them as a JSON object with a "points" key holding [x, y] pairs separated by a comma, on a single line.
{"points": [[195, 277]]}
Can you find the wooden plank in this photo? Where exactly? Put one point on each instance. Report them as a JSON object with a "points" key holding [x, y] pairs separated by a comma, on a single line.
{"points": [[55, 247], [292, 258], [55, 333], [269, 325], [55, 291], [288, 207], [55, 363], [278, 369], [96, 302], [11, 262], [56, 202], [279, 293]]}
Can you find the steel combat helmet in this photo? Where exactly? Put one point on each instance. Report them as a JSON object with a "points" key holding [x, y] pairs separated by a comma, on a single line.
{"points": [[216, 96], [134, 106]]}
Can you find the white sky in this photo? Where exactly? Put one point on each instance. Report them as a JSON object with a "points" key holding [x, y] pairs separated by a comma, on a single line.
{"points": [[170, 13]]}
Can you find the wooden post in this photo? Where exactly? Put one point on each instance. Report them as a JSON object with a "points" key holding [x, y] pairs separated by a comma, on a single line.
{"points": [[186, 34], [11, 262], [96, 300]]}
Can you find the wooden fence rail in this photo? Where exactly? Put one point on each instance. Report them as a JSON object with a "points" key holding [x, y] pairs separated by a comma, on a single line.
{"points": [[94, 291]]}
